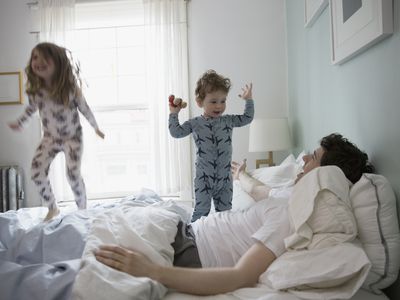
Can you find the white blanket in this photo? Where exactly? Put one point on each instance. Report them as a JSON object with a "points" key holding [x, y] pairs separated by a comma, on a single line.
{"points": [[149, 229], [320, 210]]}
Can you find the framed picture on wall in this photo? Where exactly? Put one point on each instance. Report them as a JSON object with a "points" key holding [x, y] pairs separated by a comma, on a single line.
{"points": [[10, 88], [312, 10], [357, 25]]}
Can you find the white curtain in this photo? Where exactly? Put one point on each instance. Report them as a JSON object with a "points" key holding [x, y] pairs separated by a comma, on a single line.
{"points": [[57, 21], [57, 24], [167, 73]]}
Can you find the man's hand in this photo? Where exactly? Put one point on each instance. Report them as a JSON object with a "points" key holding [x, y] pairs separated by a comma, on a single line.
{"points": [[124, 260], [247, 92], [237, 168]]}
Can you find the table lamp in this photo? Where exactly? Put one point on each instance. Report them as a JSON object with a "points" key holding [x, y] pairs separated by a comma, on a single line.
{"points": [[269, 135]]}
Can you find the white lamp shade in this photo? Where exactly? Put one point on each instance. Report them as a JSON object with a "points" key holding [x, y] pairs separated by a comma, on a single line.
{"points": [[269, 135]]}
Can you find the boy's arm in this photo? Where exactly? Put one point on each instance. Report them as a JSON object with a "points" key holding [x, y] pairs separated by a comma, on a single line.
{"points": [[175, 129], [248, 115], [207, 281]]}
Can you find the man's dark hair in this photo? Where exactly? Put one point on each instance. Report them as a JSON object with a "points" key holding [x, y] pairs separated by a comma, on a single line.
{"points": [[342, 153]]}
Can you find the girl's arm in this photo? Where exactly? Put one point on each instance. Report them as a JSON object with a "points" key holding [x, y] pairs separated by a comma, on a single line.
{"points": [[84, 108], [207, 281], [26, 115]]}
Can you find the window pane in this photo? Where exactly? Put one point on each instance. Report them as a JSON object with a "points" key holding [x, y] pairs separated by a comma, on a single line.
{"points": [[102, 38], [130, 36], [131, 61], [102, 91], [131, 90], [119, 164], [109, 14]]}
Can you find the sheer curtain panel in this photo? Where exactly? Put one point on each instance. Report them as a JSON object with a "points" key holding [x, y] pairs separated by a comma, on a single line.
{"points": [[167, 73]]}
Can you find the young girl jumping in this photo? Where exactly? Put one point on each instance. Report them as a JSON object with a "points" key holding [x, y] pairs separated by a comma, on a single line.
{"points": [[54, 88]]}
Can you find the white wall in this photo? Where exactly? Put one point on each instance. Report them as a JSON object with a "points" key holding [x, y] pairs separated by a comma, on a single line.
{"points": [[15, 46], [245, 41]]}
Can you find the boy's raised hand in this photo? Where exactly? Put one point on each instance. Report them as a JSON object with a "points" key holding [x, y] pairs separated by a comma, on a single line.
{"points": [[247, 92], [14, 126], [174, 109], [100, 133]]}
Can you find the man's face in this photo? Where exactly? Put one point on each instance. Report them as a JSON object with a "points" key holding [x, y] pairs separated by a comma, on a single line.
{"points": [[311, 161]]}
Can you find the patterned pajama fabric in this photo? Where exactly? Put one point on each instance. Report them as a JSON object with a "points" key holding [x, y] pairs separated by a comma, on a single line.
{"points": [[62, 132], [213, 139]]}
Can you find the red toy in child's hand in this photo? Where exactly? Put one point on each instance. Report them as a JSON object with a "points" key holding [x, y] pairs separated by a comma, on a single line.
{"points": [[171, 99], [175, 102]]}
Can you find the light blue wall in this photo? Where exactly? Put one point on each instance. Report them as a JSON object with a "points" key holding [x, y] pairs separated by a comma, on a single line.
{"points": [[359, 99]]}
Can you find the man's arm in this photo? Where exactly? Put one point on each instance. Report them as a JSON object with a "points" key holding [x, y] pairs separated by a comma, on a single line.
{"points": [[207, 281], [255, 188]]}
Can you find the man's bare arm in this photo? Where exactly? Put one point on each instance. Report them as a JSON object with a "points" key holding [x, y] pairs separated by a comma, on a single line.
{"points": [[207, 281], [255, 188]]}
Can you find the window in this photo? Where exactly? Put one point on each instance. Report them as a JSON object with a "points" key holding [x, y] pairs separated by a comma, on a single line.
{"points": [[133, 54], [109, 45]]}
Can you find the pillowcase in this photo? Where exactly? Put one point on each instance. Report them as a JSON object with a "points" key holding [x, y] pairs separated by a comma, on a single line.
{"points": [[374, 205]]}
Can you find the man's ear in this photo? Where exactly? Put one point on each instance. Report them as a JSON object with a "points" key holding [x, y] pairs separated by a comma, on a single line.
{"points": [[199, 102]]}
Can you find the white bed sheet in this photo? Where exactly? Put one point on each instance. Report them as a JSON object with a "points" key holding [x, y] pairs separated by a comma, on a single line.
{"points": [[262, 294]]}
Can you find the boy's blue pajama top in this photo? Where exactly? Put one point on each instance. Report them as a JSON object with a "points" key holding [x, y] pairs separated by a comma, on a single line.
{"points": [[213, 139]]}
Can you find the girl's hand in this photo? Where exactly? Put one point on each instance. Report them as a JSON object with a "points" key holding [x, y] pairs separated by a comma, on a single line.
{"points": [[124, 260], [237, 168], [246, 92], [173, 109], [14, 126], [100, 133]]}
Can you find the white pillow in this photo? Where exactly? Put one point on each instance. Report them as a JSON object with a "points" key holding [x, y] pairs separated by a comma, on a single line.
{"points": [[310, 274], [374, 205]]}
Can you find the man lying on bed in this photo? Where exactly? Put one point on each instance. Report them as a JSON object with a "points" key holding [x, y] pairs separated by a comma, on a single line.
{"points": [[235, 248]]}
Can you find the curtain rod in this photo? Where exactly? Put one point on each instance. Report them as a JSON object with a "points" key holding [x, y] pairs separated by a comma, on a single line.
{"points": [[35, 3]]}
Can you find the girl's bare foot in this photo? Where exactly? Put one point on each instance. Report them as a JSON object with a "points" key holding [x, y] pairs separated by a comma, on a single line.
{"points": [[51, 214]]}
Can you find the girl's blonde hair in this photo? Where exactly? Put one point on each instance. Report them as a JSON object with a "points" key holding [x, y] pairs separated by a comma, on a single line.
{"points": [[210, 82], [66, 77]]}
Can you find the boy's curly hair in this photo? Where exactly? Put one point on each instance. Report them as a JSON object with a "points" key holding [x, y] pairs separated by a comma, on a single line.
{"points": [[342, 153], [66, 78], [210, 82]]}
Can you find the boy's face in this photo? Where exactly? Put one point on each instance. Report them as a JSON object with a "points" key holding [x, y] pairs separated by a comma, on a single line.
{"points": [[214, 104]]}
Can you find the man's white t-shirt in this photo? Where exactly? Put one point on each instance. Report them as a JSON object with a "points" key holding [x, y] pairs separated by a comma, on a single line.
{"points": [[222, 238]]}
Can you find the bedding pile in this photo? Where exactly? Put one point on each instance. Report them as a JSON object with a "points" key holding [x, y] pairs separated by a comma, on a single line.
{"points": [[55, 260]]}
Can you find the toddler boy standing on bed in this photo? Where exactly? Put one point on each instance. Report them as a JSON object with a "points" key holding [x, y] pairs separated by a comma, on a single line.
{"points": [[212, 133]]}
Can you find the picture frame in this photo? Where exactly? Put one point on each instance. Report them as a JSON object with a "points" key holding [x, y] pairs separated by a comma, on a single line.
{"points": [[312, 10], [357, 25], [11, 88]]}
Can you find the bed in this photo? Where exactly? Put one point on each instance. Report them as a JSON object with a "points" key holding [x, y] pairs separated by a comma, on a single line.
{"points": [[55, 260]]}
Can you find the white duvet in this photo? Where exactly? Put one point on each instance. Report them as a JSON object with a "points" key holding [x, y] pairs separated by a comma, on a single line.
{"points": [[149, 229]]}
